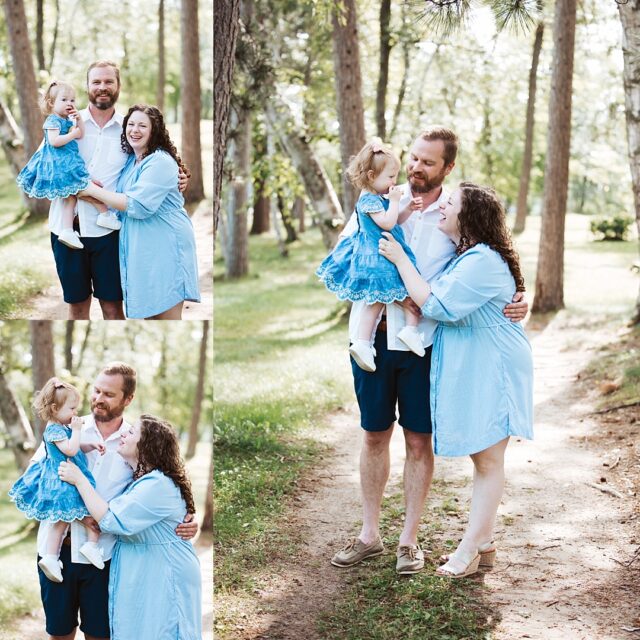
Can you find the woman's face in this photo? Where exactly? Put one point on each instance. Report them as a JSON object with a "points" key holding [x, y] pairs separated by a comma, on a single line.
{"points": [[129, 439], [449, 212], [139, 131]]}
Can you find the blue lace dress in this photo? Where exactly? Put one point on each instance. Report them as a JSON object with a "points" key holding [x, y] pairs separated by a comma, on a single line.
{"points": [[355, 270], [40, 494], [54, 172]]}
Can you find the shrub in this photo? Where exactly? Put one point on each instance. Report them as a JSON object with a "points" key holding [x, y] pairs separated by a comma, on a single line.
{"points": [[611, 227]]}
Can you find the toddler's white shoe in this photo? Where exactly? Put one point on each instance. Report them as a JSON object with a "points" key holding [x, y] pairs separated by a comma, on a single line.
{"points": [[51, 567], [93, 553], [411, 337], [71, 239], [362, 352], [108, 220]]}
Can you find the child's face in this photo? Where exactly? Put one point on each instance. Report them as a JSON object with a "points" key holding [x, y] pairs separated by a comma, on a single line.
{"points": [[68, 410], [386, 178], [64, 102]]}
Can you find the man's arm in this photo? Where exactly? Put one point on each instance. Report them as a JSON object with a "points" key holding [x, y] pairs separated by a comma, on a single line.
{"points": [[187, 529], [517, 310]]}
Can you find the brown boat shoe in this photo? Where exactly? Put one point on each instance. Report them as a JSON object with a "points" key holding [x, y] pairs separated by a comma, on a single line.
{"points": [[410, 559], [356, 551]]}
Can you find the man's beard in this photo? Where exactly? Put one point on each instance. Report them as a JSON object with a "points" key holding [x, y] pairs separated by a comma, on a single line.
{"points": [[429, 183], [103, 106], [108, 414]]}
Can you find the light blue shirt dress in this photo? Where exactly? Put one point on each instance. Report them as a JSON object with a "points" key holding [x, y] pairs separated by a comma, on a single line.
{"points": [[481, 364], [154, 580], [158, 263]]}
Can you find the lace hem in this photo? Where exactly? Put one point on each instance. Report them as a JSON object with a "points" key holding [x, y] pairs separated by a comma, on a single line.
{"points": [[60, 515], [52, 194], [388, 296]]}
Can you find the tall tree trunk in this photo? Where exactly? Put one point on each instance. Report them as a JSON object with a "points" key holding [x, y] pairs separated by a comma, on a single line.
{"points": [[11, 141], [298, 212], [383, 73], [549, 294], [260, 223], [207, 517], [42, 361], [54, 39], [83, 348], [287, 219], [161, 64], [191, 100], [16, 424], [346, 64], [527, 159], [40, 34], [68, 345], [237, 263], [630, 19], [197, 402], [225, 35], [318, 187], [26, 87]]}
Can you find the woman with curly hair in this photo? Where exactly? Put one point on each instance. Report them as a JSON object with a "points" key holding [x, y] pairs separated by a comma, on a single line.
{"points": [[481, 365], [154, 583], [158, 264]]}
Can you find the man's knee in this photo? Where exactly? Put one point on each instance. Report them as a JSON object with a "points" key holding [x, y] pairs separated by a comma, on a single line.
{"points": [[80, 310], [112, 310], [377, 439], [418, 445], [69, 636]]}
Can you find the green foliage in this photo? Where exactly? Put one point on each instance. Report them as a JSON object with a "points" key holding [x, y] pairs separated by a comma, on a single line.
{"points": [[612, 228]]}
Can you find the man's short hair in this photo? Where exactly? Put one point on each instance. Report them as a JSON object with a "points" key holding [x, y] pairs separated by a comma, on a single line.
{"points": [[448, 137], [128, 376], [104, 63]]}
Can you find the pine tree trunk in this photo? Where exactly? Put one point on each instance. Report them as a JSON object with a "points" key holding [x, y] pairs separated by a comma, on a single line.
{"points": [[319, 189], [298, 212], [383, 72], [11, 140], [630, 19], [16, 424], [525, 175], [260, 223], [54, 39], [197, 402], [191, 152], [225, 35], [161, 61], [83, 348], [207, 517], [346, 64], [40, 34], [549, 294], [68, 345], [42, 362]]}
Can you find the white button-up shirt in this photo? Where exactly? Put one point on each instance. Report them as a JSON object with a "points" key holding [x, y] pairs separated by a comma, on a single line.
{"points": [[112, 475], [433, 250], [102, 153]]}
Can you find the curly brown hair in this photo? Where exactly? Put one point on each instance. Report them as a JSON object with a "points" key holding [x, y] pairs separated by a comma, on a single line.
{"points": [[482, 219], [158, 448], [159, 135]]}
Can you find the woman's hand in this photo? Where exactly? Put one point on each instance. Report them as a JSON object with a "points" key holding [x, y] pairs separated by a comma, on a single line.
{"points": [[390, 248], [69, 472]]}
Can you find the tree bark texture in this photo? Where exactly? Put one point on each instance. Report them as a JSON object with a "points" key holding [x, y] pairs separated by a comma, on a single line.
{"points": [[225, 34], [16, 424], [191, 151], [260, 223], [68, 345], [549, 294], [42, 362], [40, 34], [527, 159], [630, 19], [161, 59], [383, 72], [197, 402], [207, 517], [11, 140], [346, 64], [318, 187]]}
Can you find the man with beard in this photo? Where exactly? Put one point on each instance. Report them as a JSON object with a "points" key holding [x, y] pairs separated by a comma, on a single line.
{"points": [[84, 587], [401, 377]]}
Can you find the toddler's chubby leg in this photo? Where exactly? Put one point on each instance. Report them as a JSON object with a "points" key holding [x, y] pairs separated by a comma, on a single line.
{"points": [[50, 562], [68, 236], [362, 350], [409, 333]]}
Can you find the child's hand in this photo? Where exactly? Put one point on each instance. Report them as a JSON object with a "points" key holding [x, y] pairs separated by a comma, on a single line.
{"points": [[416, 203], [76, 423], [100, 448], [73, 114], [75, 131], [395, 193]]}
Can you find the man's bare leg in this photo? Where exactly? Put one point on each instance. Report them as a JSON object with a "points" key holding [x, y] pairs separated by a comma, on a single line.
{"points": [[70, 636], [418, 472], [86, 637], [374, 473], [112, 310], [80, 310]]}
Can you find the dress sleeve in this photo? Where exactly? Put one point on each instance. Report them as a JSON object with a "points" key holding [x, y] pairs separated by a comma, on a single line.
{"points": [[369, 203], [478, 277], [152, 499], [55, 433], [158, 176], [52, 123]]}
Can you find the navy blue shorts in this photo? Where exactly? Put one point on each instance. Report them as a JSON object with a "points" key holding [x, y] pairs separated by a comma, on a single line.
{"points": [[94, 269], [85, 588], [402, 378]]}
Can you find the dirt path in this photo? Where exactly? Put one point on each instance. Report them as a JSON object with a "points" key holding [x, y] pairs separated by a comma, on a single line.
{"points": [[49, 304], [559, 538]]}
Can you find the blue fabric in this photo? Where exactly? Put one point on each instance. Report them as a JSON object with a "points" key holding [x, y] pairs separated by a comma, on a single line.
{"points": [[355, 270], [481, 365], [54, 172], [40, 494], [155, 583], [158, 263]]}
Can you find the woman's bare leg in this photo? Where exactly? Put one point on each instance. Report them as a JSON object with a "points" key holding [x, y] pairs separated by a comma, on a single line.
{"points": [[175, 313]]}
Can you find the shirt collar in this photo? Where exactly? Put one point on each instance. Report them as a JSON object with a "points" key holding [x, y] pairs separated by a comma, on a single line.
{"points": [[116, 118], [91, 427]]}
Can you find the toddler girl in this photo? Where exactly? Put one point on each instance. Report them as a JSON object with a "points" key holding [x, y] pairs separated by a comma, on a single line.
{"points": [[56, 169], [40, 493], [355, 270]]}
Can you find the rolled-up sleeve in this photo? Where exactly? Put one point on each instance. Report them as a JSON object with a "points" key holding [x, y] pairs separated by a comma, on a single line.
{"points": [[158, 176]]}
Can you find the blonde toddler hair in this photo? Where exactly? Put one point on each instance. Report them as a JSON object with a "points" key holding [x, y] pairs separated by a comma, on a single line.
{"points": [[49, 97], [51, 398], [372, 157]]}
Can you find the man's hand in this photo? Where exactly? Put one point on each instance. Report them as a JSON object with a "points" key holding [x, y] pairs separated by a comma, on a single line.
{"points": [[90, 523], [518, 309], [183, 180], [408, 303], [188, 528]]}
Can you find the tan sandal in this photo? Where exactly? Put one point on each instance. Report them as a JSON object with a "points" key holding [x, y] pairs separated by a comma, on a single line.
{"points": [[487, 555], [470, 569]]}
